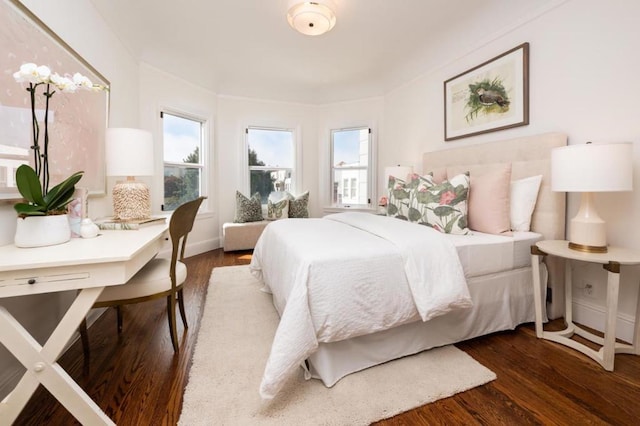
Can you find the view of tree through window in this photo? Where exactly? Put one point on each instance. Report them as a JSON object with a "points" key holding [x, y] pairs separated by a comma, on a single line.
{"points": [[270, 159], [183, 164], [351, 158]]}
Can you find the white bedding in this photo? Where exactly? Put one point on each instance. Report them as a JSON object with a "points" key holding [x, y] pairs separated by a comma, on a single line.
{"points": [[339, 282], [482, 254]]}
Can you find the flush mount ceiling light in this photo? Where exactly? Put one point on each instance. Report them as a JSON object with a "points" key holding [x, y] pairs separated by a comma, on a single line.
{"points": [[312, 17]]}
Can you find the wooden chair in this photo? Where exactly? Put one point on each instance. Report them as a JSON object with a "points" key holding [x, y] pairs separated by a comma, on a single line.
{"points": [[158, 278]]}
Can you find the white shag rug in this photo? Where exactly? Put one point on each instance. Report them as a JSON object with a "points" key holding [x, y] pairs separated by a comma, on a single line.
{"points": [[236, 331]]}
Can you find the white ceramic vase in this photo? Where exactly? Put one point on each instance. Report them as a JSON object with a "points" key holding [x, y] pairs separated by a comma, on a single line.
{"points": [[40, 231]]}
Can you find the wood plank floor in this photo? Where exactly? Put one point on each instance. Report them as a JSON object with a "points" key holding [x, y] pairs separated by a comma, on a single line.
{"points": [[137, 380]]}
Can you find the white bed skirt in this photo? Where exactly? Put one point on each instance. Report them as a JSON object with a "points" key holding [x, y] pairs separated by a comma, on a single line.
{"points": [[502, 301]]}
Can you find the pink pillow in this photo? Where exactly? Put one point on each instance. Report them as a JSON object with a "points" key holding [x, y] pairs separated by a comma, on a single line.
{"points": [[489, 200]]}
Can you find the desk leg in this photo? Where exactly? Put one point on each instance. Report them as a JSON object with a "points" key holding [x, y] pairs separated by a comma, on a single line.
{"points": [[42, 367], [608, 348], [568, 294], [537, 293]]}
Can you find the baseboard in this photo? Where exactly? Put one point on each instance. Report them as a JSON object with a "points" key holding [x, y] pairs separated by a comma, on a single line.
{"points": [[195, 248], [592, 315]]}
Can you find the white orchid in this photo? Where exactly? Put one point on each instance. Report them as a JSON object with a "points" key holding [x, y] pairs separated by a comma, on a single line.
{"points": [[82, 81], [36, 76], [65, 84], [31, 73]]}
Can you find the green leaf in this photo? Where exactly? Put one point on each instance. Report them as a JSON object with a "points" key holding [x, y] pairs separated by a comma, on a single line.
{"points": [[442, 211], [29, 185], [400, 194], [55, 201], [414, 214], [29, 209], [60, 195], [392, 209]]}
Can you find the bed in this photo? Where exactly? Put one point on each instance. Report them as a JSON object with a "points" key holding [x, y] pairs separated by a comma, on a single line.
{"points": [[379, 294]]}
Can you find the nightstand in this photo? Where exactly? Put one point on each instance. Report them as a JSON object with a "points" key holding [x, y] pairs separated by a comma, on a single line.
{"points": [[611, 261]]}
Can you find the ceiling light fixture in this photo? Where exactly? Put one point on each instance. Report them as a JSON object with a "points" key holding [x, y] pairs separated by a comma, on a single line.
{"points": [[312, 17]]}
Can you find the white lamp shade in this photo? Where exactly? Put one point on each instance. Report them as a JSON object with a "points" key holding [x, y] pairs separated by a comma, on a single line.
{"points": [[129, 152], [592, 168], [312, 17], [396, 171]]}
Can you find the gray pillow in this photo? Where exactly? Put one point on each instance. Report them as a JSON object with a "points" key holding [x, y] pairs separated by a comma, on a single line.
{"points": [[248, 209], [299, 206]]}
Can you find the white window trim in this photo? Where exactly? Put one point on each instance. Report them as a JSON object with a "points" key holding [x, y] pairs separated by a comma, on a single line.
{"points": [[371, 173], [296, 180], [205, 151]]}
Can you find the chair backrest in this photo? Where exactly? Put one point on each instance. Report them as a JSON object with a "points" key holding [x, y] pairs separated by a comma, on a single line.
{"points": [[180, 225]]}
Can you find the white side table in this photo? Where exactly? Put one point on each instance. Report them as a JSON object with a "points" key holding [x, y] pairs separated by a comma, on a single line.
{"points": [[611, 261]]}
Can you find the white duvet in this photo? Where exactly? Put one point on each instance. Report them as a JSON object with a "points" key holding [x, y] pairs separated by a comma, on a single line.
{"points": [[347, 275]]}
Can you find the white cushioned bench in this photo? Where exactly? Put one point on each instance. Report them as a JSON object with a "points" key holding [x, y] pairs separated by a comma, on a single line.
{"points": [[242, 236]]}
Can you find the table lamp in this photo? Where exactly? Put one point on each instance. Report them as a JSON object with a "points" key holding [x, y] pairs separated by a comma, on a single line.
{"points": [[589, 168], [129, 152]]}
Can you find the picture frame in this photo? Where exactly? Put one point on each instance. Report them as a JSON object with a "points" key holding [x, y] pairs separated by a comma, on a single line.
{"points": [[489, 97], [77, 121]]}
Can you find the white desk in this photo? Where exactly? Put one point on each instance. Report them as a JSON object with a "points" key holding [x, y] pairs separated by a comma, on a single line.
{"points": [[611, 261], [87, 265]]}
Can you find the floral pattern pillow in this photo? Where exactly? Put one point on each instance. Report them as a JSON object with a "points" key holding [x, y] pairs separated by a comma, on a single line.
{"points": [[278, 209], [299, 206], [248, 209], [401, 200], [444, 206], [441, 206]]}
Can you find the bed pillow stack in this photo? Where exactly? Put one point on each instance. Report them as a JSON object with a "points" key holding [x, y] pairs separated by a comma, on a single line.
{"points": [[475, 198]]}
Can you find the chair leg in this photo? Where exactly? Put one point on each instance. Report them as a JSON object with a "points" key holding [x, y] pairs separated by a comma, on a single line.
{"points": [[171, 314], [119, 316], [183, 314], [84, 337]]}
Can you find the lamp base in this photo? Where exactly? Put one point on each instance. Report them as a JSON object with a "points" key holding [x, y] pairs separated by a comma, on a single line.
{"points": [[587, 232], [587, 249], [131, 200]]}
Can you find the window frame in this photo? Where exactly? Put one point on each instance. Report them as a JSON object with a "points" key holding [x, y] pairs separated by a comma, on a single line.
{"points": [[370, 169], [295, 153], [203, 156]]}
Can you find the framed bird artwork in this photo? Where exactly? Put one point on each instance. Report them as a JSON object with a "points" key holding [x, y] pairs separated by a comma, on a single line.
{"points": [[489, 97]]}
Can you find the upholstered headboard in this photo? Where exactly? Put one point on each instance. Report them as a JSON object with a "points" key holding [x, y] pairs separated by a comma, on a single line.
{"points": [[529, 156]]}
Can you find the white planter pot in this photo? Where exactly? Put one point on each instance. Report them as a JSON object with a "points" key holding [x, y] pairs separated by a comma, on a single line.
{"points": [[39, 231]]}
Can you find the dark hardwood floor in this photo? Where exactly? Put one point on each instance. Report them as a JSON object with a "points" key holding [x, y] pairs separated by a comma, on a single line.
{"points": [[137, 380]]}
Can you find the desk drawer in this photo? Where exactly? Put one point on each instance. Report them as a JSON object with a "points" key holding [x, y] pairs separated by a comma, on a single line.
{"points": [[45, 278]]}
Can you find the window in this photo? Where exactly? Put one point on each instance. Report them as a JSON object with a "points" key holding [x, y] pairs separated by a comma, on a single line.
{"points": [[271, 158], [351, 167], [183, 159]]}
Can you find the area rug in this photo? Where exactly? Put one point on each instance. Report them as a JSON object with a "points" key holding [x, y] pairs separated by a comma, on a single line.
{"points": [[236, 331]]}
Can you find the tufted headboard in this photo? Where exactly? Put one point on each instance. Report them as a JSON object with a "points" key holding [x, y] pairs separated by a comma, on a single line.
{"points": [[529, 156]]}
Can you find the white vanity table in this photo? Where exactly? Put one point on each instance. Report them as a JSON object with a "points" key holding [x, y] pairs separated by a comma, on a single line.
{"points": [[87, 265]]}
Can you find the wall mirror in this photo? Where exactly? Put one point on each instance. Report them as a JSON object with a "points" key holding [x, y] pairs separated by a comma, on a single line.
{"points": [[77, 121]]}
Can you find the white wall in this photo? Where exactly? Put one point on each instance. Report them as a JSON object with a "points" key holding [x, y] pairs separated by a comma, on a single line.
{"points": [[80, 26], [584, 81]]}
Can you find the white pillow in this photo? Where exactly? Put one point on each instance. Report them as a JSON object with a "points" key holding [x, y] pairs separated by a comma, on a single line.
{"points": [[524, 193]]}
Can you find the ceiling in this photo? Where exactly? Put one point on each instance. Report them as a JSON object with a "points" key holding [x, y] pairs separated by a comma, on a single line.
{"points": [[246, 47]]}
